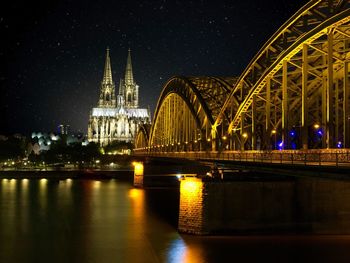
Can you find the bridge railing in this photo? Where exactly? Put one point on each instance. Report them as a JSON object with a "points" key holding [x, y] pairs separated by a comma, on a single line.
{"points": [[329, 157]]}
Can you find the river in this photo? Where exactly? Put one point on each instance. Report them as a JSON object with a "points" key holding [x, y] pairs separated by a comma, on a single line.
{"points": [[109, 221]]}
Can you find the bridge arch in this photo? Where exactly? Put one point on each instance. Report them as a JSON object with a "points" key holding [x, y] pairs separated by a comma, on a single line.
{"points": [[142, 136], [295, 92], [186, 111]]}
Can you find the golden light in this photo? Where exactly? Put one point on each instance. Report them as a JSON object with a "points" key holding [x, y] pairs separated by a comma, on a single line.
{"points": [[190, 189], [135, 193], [138, 168], [316, 126], [273, 131], [97, 161], [25, 182], [224, 138], [96, 185], [189, 186], [245, 135], [43, 182], [208, 139]]}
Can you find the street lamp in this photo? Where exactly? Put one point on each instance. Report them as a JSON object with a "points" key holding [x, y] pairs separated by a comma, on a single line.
{"points": [[274, 133]]}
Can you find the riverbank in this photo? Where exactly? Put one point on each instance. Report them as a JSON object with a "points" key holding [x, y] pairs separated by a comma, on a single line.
{"points": [[125, 175]]}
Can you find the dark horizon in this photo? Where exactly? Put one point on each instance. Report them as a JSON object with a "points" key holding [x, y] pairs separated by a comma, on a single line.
{"points": [[53, 54]]}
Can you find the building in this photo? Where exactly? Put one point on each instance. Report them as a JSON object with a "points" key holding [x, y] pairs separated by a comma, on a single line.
{"points": [[63, 129], [117, 118]]}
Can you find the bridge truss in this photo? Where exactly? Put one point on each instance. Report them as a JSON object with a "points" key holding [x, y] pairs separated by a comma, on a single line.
{"points": [[294, 94]]}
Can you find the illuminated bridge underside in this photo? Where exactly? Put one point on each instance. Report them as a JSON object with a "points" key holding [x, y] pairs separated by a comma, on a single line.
{"points": [[294, 94]]}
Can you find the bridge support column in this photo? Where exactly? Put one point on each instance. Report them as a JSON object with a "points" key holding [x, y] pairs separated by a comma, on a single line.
{"points": [[211, 206], [138, 174], [268, 116], [285, 105], [330, 93], [346, 107], [254, 116], [324, 112], [243, 134], [304, 103]]}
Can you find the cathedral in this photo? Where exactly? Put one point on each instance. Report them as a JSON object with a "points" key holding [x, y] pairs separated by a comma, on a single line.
{"points": [[116, 118]]}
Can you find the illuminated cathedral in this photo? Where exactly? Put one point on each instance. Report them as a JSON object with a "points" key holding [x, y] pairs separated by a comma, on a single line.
{"points": [[117, 118]]}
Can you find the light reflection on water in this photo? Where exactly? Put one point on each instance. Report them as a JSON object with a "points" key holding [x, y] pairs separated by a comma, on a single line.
{"points": [[109, 221]]}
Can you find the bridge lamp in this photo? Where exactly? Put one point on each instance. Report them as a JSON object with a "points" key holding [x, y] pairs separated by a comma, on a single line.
{"points": [[292, 133], [280, 145], [245, 135], [180, 176], [224, 138], [195, 141], [208, 139], [273, 131], [316, 126], [186, 142], [178, 143]]}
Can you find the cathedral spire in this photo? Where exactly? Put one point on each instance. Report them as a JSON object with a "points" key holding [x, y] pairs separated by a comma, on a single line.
{"points": [[107, 75], [129, 78], [107, 92]]}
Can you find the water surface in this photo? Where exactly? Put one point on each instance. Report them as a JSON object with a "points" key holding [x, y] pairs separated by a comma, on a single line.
{"points": [[110, 221]]}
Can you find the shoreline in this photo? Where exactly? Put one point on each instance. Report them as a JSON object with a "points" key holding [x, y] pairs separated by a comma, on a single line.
{"points": [[68, 174]]}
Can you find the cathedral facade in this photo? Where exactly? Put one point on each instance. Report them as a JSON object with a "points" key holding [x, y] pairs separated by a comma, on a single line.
{"points": [[116, 118]]}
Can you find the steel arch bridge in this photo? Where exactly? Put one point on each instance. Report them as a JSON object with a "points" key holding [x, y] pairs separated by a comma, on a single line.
{"points": [[294, 94]]}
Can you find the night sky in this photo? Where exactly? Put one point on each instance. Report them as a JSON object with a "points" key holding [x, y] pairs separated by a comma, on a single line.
{"points": [[52, 52]]}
